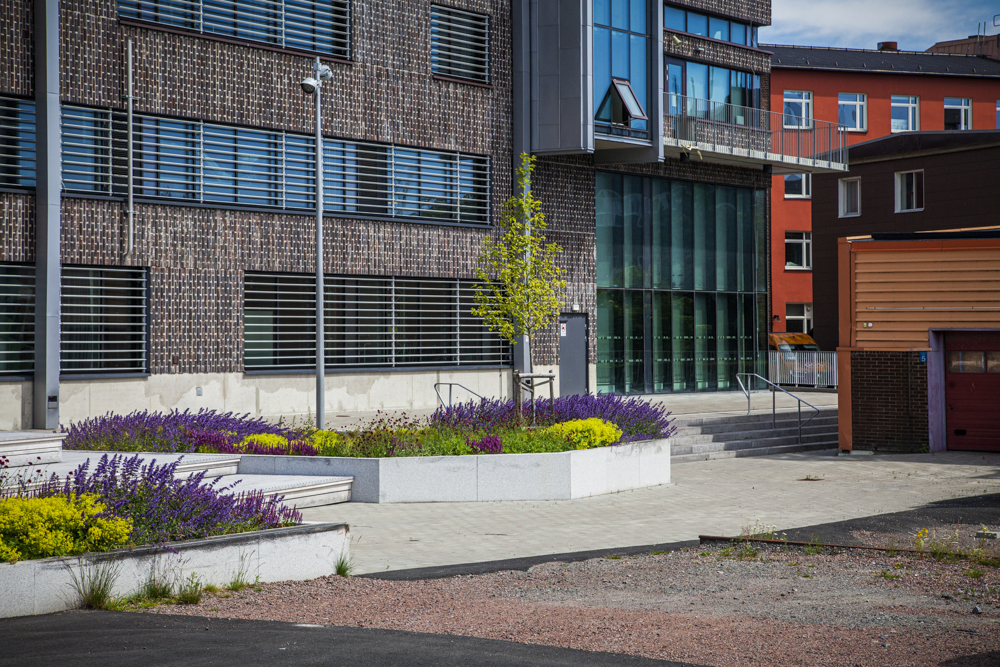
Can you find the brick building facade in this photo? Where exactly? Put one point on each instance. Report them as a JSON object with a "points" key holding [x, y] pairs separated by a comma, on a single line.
{"points": [[212, 221]]}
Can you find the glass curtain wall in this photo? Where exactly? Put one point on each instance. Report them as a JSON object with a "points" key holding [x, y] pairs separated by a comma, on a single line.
{"points": [[681, 285]]}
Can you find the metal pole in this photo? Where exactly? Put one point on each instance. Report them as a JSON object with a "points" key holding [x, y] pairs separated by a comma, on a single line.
{"points": [[774, 407], [320, 321], [131, 207]]}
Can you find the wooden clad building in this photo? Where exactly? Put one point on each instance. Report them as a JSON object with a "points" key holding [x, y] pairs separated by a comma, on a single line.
{"points": [[907, 269]]}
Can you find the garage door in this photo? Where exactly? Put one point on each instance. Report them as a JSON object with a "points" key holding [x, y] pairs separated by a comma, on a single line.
{"points": [[972, 391]]}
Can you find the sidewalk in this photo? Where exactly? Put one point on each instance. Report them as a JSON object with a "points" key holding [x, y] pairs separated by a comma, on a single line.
{"points": [[711, 497]]}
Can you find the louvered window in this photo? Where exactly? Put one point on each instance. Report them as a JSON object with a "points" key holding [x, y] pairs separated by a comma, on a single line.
{"points": [[370, 322], [86, 150], [242, 166], [312, 25], [103, 320], [17, 319], [167, 158], [17, 143], [460, 44]]}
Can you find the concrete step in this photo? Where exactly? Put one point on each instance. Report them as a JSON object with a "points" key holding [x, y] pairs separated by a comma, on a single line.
{"points": [[781, 422], [213, 465], [755, 451], [298, 490], [740, 445], [29, 448], [751, 435], [753, 418]]}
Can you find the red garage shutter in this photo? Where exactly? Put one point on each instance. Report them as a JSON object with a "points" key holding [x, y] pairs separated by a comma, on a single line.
{"points": [[972, 390]]}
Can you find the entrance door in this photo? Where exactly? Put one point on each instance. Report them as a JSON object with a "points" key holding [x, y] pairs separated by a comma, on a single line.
{"points": [[972, 390], [572, 355]]}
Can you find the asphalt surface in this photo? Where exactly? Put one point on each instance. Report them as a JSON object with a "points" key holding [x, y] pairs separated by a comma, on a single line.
{"points": [[109, 639]]}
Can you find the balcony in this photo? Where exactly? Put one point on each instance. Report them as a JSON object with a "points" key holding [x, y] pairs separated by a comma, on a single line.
{"points": [[746, 137]]}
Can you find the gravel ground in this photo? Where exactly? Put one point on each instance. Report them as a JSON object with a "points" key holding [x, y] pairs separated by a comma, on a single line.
{"points": [[778, 606]]}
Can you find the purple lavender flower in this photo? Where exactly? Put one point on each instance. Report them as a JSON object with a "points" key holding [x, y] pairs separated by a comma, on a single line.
{"points": [[164, 508], [490, 444]]}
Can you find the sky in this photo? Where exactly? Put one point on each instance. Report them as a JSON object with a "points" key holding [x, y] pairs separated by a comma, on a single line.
{"points": [[861, 24]]}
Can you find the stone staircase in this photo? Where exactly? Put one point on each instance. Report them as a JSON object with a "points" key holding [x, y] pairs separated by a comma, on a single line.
{"points": [[707, 438], [37, 455]]}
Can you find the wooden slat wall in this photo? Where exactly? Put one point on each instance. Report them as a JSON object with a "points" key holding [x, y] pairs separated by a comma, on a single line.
{"points": [[942, 284]]}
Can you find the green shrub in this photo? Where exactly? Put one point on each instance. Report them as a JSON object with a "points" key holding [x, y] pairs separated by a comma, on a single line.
{"points": [[57, 526], [586, 433]]}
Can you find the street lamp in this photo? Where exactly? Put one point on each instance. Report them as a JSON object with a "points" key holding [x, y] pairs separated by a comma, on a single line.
{"points": [[312, 86]]}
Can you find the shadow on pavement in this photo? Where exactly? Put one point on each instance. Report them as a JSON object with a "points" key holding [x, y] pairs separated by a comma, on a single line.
{"points": [[990, 659], [110, 639]]}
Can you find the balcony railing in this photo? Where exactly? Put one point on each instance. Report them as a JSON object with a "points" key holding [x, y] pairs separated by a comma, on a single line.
{"points": [[731, 133]]}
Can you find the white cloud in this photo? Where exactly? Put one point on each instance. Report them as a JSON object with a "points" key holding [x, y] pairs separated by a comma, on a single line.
{"points": [[915, 24]]}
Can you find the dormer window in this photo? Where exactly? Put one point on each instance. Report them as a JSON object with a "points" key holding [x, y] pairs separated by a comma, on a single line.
{"points": [[620, 105]]}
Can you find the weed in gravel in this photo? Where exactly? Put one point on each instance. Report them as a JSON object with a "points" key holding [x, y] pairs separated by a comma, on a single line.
{"points": [[343, 567], [759, 530], [657, 553], [726, 553], [814, 548], [95, 583], [613, 557], [793, 564], [886, 574], [974, 573], [748, 553], [191, 591], [704, 553]]}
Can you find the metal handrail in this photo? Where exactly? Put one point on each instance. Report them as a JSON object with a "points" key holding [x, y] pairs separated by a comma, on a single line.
{"points": [[451, 386], [774, 401]]}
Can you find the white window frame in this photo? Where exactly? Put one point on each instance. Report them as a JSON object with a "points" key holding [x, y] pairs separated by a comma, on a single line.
{"points": [[807, 255], [913, 113], [900, 191], [965, 107], [806, 319], [806, 187], [842, 198], [806, 100], [861, 104]]}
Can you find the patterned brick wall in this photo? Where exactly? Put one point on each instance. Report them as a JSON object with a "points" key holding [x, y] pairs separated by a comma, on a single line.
{"points": [[17, 76], [889, 401], [749, 10]]}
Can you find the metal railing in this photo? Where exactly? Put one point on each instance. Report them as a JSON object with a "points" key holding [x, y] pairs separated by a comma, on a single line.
{"points": [[774, 402], [754, 134], [803, 368], [451, 386]]}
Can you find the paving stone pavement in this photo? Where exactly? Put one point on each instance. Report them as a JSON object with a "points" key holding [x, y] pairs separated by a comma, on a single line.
{"points": [[710, 497]]}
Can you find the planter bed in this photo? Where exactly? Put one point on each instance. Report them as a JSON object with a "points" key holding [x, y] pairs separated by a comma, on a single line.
{"points": [[302, 552], [548, 476]]}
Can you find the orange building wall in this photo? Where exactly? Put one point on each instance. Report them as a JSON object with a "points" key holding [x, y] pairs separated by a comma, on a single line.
{"points": [[796, 214]]}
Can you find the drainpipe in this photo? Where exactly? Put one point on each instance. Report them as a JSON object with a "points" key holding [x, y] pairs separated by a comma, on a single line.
{"points": [[48, 196], [130, 208]]}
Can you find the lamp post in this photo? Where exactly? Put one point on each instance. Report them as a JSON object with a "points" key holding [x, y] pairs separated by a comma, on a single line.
{"points": [[312, 86]]}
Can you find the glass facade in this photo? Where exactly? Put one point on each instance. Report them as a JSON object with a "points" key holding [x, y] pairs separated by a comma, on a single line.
{"points": [[621, 46], [681, 284]]}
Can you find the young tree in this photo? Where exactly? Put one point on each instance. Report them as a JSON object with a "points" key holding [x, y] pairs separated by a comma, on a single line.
{"points": [[520, 286]]}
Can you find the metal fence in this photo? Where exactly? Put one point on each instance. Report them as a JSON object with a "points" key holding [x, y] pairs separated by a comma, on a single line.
{"points": [[744, 132], [803, 369]]}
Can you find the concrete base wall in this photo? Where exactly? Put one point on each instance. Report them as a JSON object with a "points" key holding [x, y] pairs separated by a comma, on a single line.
{"points": [[269, 396], [302, 552], [423, 479]]}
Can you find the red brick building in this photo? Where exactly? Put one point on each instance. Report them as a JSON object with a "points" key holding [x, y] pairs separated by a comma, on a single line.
{"points": [[875, 93]]}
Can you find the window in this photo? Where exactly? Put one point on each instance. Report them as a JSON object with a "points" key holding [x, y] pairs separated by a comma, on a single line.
{"points": [[681, 279], [200, 162], [312, 25], [370, 322], [86, 150], [17, 143], [852, 111], [798, 186], [850, 197], [798, 250], [967, 362], [909, 191], [460, 44], [714, 27], [621, 51], [103, 320], [709, 89], [17, 319], [905, 113], [798, 317], [798, 109], [957, 113]]}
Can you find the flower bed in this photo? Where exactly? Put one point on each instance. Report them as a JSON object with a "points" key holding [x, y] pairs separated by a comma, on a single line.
{"points": [[125, 503], [486, 427]]}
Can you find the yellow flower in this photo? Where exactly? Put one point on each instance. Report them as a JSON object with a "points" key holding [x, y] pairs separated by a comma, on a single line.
{"points": [[586, 433]]}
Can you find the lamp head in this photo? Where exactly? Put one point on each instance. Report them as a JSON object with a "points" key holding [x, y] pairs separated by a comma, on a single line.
{"points": [[309, 86], [325, 74]]}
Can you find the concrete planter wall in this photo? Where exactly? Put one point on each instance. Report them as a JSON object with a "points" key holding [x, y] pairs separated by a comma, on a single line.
{"points": [[300, 552], [421, 479]]}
